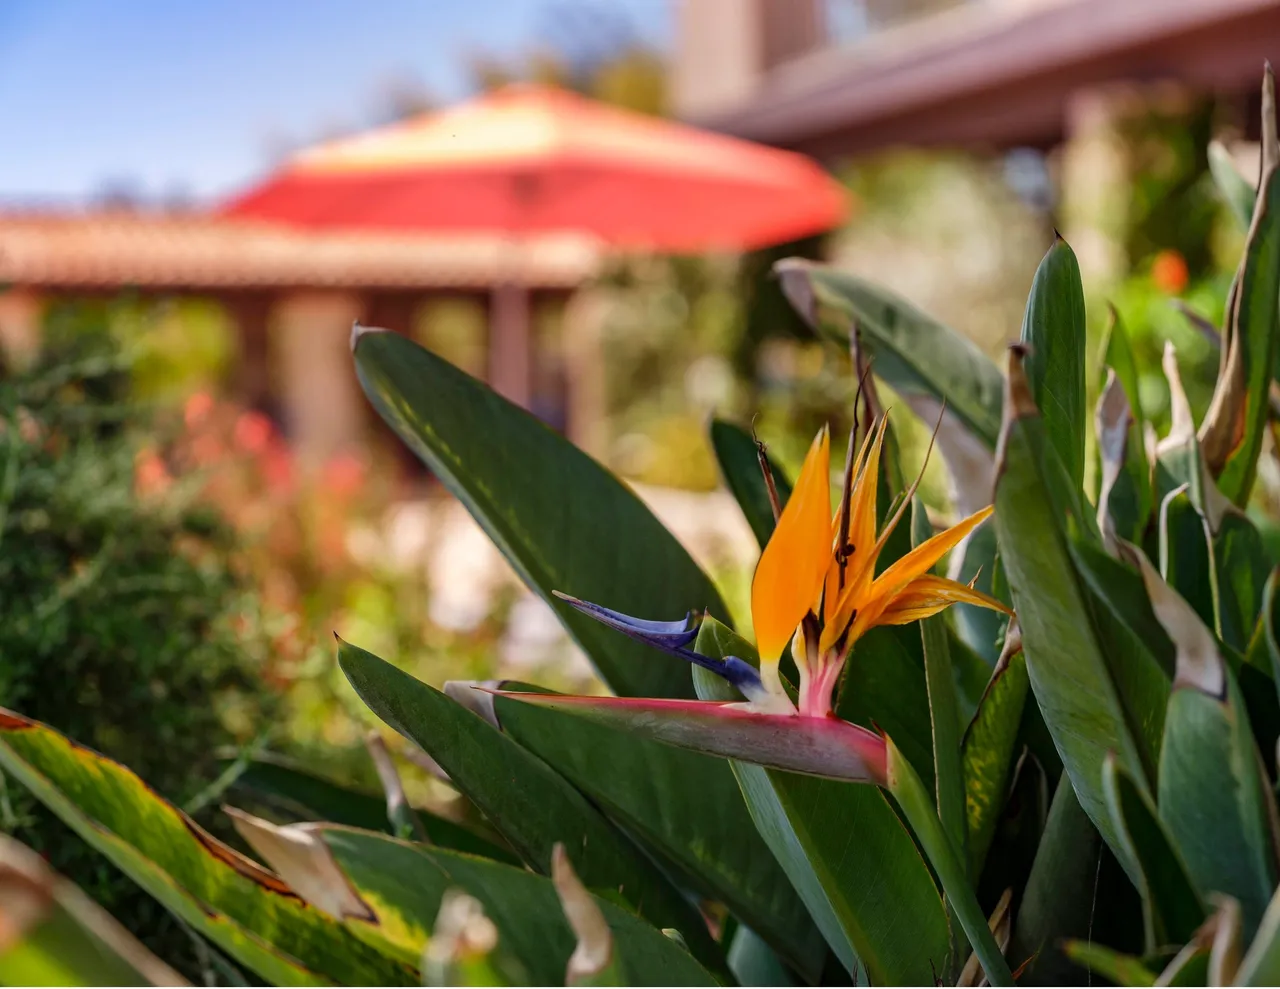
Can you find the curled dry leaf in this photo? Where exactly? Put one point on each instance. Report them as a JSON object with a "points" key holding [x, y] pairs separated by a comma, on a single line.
{"points": [[594, 951], [1199, 661], [1112, 420], [304, 861]]}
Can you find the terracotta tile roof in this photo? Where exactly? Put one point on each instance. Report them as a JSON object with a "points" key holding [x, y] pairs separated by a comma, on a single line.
{"points": [[174, 251]]}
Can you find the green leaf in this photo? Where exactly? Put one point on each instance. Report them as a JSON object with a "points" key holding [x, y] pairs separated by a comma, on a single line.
{"points": [[1242, 565], [949, 785], [243, 909], [303, 796], [1054, 330], [562, 521], [1117, 968], [54, 935], [1126, 499], [1172, 907], [1261, 963], [754, 963], [528, 802], [915, 354], [1232, 430], [1138, 653], [1237, 191], [1059, 899], [990, 745], [1270, 623], [1213, 797], [948, 862], [684, 805], [394, 891], [739, 464], [979, 628], [1186, 560], [873, 898], [1068, 672], [1212, 800], [884, 687]]}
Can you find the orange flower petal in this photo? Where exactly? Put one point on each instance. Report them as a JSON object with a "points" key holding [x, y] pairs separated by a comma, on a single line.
{"points": [[870, 601], [927, 595], [921, 559], [788, 578]]}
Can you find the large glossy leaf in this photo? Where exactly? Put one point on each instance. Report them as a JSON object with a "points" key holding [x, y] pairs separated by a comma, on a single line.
{"points": [[245, 910], [686, 806], [303, 796], [1172, 907], [529, 803], [1068, 672], [1232, 431], [52, 934], [563, 521], [1053, 330], [392, 890], [736, 453], [916, 355], [989, 751], [848, 855]]}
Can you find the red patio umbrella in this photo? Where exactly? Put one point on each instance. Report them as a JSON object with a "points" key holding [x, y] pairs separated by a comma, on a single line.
{"points": [[529, 160]]}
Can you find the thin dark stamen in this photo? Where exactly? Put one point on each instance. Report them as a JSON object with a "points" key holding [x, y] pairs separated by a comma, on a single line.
{"points": [[845, 548], [766, 469]]}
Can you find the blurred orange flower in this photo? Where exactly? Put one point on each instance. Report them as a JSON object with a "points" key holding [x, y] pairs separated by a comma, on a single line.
{"points": [[1169, 272], [344, 475], [253, 432], [197, 409], [150, 475]]}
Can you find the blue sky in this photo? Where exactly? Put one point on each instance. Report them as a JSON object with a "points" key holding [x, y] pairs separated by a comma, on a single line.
{"points": [[194, 97]]}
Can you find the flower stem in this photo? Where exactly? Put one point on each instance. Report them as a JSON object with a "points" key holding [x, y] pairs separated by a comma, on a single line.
{"points": [[916, 803]]}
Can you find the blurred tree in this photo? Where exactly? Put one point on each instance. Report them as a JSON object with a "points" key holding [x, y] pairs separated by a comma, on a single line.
{"points": [[590, 48]]}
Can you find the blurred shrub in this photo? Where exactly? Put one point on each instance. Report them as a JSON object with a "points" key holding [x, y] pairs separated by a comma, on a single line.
{"points": [[123, 619]]}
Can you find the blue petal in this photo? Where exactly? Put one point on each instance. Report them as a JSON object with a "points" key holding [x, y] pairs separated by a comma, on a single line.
{"points": [[663, 635], [673, 637]]}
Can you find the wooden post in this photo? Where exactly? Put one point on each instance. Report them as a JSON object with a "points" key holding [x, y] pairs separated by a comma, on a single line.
{"points": [[251, 380], [392, 310], [21, 313], [510, 342], [584, 315], [322, 402]]}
